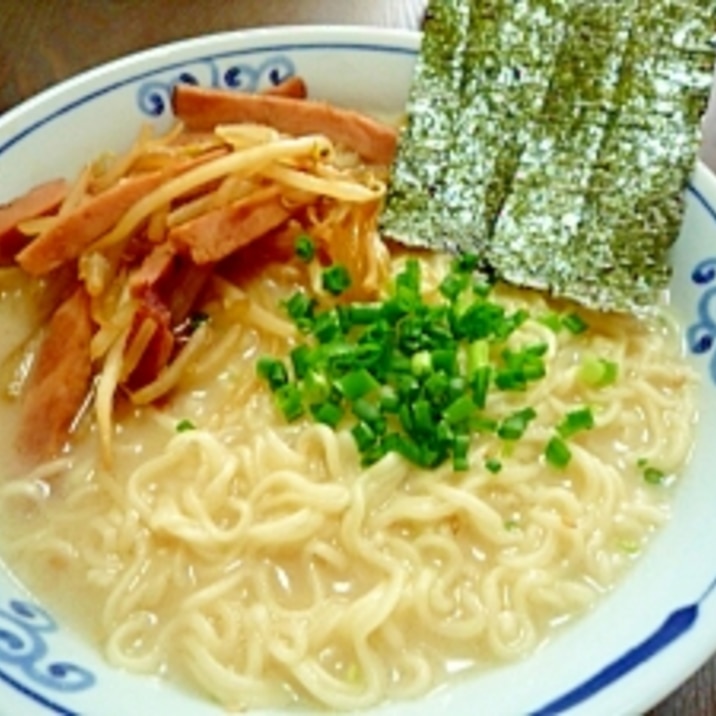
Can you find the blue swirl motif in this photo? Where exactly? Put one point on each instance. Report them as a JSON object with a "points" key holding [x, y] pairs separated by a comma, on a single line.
{"points": [[154, 96], [23, 631], [701, 335]]}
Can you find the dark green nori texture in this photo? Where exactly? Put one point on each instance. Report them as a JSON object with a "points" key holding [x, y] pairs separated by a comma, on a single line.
{"points": [[423, 201], [554, 137]]}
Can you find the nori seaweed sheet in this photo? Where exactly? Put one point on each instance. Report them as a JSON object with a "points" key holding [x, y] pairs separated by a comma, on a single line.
{"points": [[554, 138], [423, 201]]}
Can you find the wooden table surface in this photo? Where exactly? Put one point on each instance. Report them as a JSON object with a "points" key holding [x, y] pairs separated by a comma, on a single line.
{"points": [[44, 41]]}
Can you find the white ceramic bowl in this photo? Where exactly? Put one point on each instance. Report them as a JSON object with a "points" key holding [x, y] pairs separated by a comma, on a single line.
{"points": [[645, 638]]}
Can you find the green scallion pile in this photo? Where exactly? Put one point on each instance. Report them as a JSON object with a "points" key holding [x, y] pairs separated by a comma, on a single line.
{"points": [[413, 377]]}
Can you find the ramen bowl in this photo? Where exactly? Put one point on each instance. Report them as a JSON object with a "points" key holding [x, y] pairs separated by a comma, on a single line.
{"points": [[642, 639]]}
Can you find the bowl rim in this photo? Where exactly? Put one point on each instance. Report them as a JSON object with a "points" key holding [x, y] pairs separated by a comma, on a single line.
{"points": [[264, 38], [261, 39]]}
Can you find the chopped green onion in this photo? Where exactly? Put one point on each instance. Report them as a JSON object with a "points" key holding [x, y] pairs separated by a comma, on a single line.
{"points": [[575, 421], [301, 360], [400, 364], [409, 449], [597, 372], [366, 411], [510, 379], [409, 277], [364, 436], [339, 356], [654, 476], [536, 350], [327, 413], [407, 374], [521, 367], [327, 326], [444, 433], [407, 385], [481, 320], [184, 424], [421, 362], [629, 546], [480, 384], [288, 399], [482, 289], [513, 426], [457, 387], [304, 248], [574, 323], [316, 387], [445, 360], [453, 285], [357, 384], [558, 453], [465, 263], [552, 320], [493, 465], [460, 449], [389, 399], [423, 419], [533, 370], [437, 389], [372, 453], [273, 371], [335, 279], [511, 324], [405, 415], [300, 309], [459, 410], [478, 355], [370, 355], [361, 314]]}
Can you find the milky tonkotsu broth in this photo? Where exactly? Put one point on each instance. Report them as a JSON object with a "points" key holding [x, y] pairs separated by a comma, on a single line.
{"points": [[263, 564]]}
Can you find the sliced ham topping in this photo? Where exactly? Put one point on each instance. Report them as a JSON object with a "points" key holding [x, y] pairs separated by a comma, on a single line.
{"points": [[167, 286], [73, 233], [151, 327], [155, 266], [183, 289], [202, 109], [40, 200], [60, 380], [150, 243], [171, 277], [219, 233]]}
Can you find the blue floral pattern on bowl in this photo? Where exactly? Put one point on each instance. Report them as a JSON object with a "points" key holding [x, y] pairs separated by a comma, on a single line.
{"points": [[154, 96], [25, 629], [701, 335]]}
